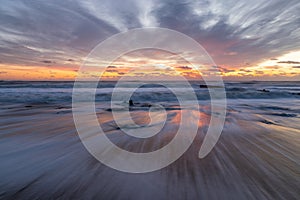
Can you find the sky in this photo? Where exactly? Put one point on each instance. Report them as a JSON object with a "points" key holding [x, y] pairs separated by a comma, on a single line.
{"points": [[248, 40]]}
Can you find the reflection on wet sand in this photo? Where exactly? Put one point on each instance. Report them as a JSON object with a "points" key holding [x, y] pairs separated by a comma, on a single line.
{"points": [[42, 158]]}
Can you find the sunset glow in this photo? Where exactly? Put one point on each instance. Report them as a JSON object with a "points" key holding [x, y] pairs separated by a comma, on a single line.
{"points": [[284, 67]]}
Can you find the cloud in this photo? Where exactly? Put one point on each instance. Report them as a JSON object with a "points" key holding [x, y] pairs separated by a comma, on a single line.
{"points": [[289, 62], [184, 67], [56, 30], [111, 70], [245, 70], [232, 53], [225, 70], [272, 67], [252, 29], [46, 61]]}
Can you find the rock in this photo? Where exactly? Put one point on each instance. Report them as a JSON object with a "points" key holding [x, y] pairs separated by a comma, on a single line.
{"points": [[264, 90], [209, 86], [130, 102]]}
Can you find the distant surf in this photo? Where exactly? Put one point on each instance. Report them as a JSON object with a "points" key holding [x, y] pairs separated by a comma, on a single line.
{"points": [[61, 92]]}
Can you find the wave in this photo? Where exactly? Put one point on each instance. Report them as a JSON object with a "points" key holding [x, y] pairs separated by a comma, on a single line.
{"points": [[49, 92]]}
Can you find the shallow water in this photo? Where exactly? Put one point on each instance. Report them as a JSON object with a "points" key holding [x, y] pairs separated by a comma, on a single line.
{"points": [[256, 157]]}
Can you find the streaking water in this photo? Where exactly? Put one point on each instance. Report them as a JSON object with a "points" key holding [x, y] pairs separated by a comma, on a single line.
{"points": [[257, 156]]}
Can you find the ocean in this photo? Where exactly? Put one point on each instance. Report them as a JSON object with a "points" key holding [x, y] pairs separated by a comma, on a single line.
{"points": [[61, 92], [256, 157]]}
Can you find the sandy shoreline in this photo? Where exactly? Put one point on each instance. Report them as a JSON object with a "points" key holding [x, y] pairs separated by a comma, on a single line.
{"points": [[42, 158]]}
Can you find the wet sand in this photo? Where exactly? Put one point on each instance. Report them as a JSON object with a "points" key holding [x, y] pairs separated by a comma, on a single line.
{"points": [[41, 157]]}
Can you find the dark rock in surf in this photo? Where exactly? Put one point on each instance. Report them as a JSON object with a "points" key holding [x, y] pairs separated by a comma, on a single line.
{"points": [[131, 103], [294, 93], [146, 105], [264, 90], [209, 86]]}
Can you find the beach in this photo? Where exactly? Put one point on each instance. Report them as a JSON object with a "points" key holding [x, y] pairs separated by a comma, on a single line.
{"points": [[256, 156]]}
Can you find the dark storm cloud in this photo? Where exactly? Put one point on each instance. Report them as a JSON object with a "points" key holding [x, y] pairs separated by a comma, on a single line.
{"points": [[55, 30]]}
